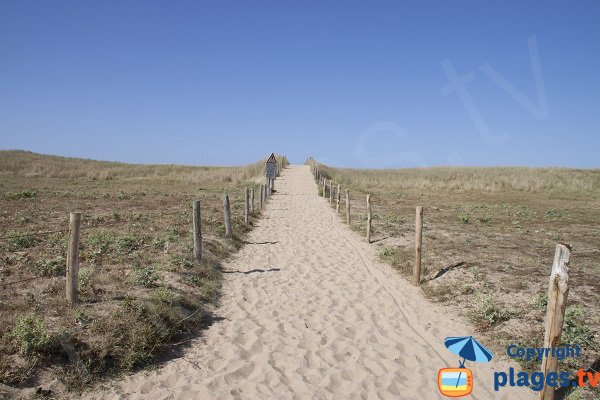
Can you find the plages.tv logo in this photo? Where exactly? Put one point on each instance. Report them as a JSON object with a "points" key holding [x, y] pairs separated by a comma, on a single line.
{"points": [[458, 382]]}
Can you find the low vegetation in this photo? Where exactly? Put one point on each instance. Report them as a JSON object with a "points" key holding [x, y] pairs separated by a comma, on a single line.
{"points": [[493, 231], [140, 289]]}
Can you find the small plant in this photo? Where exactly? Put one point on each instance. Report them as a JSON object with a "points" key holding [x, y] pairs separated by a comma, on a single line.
{"points": [[484, 220], [31, 334], [175, 233], [575, 330], [85, 277], [21, 241], [126, 244], [540, 302], [467, 289], [137, 216], [182, 262], [30, 297], [22, 219], [464, 217], [557, 213], [558, 237], [147, 276], [163, 295], [52, 267], [489, 313], [24, 194], [104, 242]]}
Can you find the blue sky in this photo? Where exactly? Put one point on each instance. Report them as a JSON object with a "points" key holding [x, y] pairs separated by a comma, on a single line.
{"points": [[360, 84]]}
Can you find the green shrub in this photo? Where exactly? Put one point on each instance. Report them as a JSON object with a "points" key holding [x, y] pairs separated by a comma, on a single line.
{"points": [[31, 334], [540, 302], [575, 330], [85, 277], [557, 213], [21, 241], [163, 295], [488, 313], [52, 267], [485, 220], [24, 194], [464, 217], [104, 242], [147, 276]]}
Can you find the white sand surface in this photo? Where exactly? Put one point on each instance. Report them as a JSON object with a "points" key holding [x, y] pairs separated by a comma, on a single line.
{"points": [[310, 313]]}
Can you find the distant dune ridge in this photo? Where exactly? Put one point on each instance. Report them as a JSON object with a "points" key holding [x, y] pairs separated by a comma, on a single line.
{"points": [[30, 164]]}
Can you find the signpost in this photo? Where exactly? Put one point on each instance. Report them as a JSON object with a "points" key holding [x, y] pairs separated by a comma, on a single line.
{"points": [[272, 167]]}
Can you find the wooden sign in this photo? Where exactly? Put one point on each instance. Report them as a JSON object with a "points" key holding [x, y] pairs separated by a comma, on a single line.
{"points": [[271, 166]]}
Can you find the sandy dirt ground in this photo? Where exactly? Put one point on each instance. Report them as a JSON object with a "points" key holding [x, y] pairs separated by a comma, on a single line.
{"points": [[308, 312]]}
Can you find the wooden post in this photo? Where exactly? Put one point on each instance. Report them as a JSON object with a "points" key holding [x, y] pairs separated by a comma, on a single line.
{"points": [[324, 186], [246, 205], [272, 184], [348, 206], [558, 290], [197, 231], [337, 202], [369, 217], [418, 242], [227, 214], [73, 257], [262, 194], [252, 200], [331, 192]]}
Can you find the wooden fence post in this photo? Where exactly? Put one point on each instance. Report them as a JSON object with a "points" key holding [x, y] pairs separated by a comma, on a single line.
{"points": [[558, 290], [418, 243], [337, 202], [260, 199], [197, 231], [227, 215], [73, 257], [324, 186], [252, 200], [369, 217], [246, 205], [331, 192], [348, 206]]}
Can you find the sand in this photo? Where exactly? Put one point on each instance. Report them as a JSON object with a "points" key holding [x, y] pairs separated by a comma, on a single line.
{"points": [[308, 312]]}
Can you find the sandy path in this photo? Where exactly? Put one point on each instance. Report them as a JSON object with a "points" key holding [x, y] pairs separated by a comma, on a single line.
{"points": [[322, 319]]}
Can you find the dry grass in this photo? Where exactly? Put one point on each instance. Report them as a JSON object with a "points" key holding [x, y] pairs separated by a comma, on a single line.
{"points": [[501, 225], [469, 179], [140, 289], [17, 163]]}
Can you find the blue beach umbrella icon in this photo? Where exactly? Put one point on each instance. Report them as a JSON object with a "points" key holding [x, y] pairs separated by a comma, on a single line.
{"points": [[469, 349]]}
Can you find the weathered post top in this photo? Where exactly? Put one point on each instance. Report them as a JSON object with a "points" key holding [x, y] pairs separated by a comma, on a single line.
{"points": [[271, 167]]}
